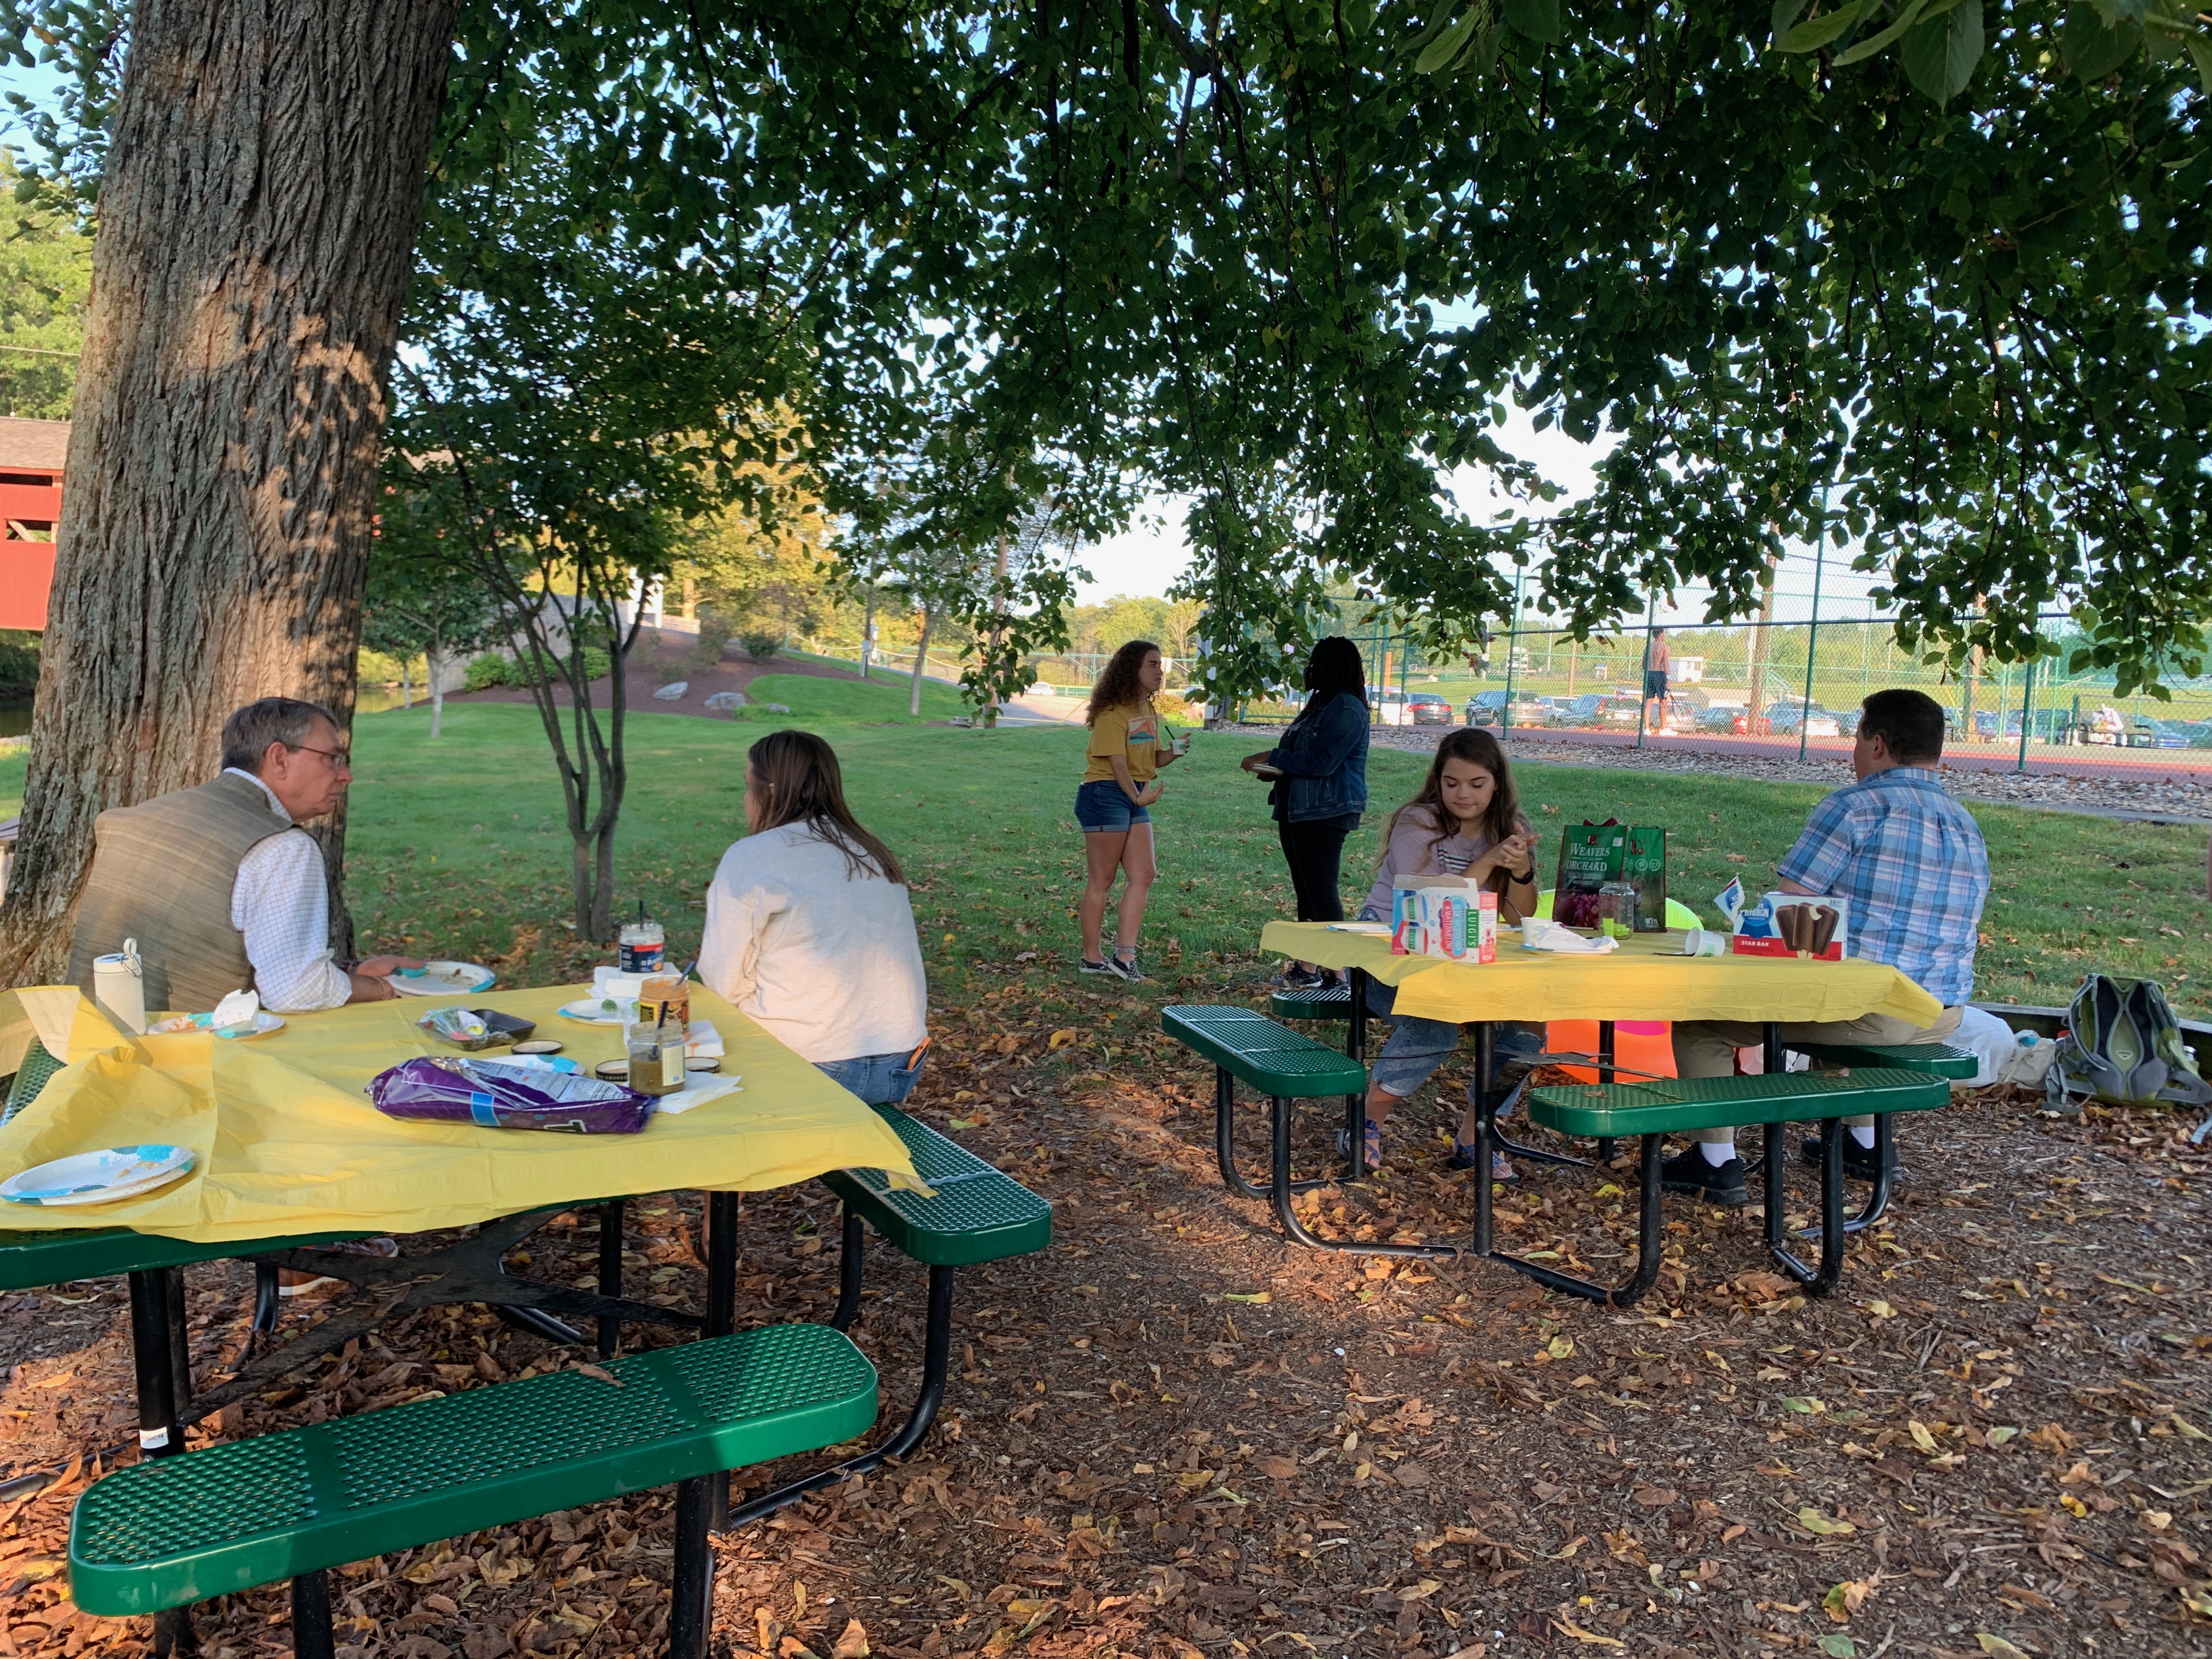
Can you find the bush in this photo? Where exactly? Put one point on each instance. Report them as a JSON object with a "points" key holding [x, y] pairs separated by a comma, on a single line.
{"points": [[760, 647], [491, 669], [1174, 706]]}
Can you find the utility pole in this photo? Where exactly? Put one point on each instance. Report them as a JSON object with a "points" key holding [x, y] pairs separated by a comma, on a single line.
{"points": [[1813, 630]]}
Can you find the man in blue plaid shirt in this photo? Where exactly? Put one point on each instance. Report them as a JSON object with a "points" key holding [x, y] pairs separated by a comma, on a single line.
{"points": [[1912, 862]]}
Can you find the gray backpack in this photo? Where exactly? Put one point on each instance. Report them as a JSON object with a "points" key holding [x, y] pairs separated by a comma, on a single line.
{"points": [[2123, 1046]]}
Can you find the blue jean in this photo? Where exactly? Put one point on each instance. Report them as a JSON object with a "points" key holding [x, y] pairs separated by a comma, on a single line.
{"points": [[1417, 1047], [878, 1080], [1102, 806]]}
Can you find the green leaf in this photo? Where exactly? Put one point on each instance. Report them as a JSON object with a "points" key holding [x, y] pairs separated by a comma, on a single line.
{"points": [[2200, 54], [1537, 19], [2117, 12], [1836, 1646], [1811, 37], [1878, 42], [1940, 56], [1446, 46], [1785, 16], [2094, 50], [1436, 20]]}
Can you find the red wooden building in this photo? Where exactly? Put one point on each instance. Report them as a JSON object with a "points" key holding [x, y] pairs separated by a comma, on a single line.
{"points": [[31, 453]]}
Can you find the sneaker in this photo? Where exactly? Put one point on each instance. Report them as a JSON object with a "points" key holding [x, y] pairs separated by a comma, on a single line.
{"points": [[1122, 968], [1374, 1145], [1086, 965], [1688, 1172], [1858, 1161], [1462, 1157], [1295, 978]]}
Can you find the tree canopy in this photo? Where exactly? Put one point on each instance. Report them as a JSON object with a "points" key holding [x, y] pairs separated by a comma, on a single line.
{"points": [[1928, 277]]}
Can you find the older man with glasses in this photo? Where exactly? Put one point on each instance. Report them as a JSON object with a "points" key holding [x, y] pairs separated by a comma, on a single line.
{"points": [[221, 889]]}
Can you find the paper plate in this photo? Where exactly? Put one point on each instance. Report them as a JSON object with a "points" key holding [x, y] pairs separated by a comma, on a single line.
{"points": [[100, 1177], [593, 1011], [442, 979], [263, 1023]]}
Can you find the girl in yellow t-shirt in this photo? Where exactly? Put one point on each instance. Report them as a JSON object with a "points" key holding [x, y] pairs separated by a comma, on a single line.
{"points": [[1126, 752]]}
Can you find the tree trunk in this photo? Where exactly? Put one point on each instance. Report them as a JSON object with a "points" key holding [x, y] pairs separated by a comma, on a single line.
{"points": [[1759, 643], [434, 662], [868, 631], [997, 637], [406, 686], [256, 225], [920, 657]]}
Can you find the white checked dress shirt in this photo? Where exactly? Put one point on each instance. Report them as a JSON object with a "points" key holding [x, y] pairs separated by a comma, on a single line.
{"points": [[282, 905]]}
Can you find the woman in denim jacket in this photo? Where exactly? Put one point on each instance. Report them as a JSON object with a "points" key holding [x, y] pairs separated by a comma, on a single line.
{"points": [[1319, 771]]}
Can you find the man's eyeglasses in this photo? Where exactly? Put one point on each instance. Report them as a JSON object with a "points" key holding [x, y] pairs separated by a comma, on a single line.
{"points": [[336, 756]]}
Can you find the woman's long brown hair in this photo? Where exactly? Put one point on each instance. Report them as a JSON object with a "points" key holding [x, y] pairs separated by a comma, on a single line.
{"points": [[799, 774], [1118, 685], [1499, 821]]}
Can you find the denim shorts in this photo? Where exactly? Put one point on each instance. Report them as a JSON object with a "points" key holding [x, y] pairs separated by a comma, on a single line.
{"points": [[1416, 1048], [1102, 806], [878, 1080]]}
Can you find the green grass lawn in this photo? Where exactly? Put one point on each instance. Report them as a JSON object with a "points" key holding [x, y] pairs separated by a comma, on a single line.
{"points": [[813, 699], [458, 849]]}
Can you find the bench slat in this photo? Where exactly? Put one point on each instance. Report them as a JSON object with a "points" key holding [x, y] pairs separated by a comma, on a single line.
{"points": [[1335, 1003], [1679, 1105], [979, 1213], [1936, 1059], [174, 1530], [1270, 1058]]}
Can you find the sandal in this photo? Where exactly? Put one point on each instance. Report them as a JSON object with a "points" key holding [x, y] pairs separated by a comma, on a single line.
{"points": [[1462, 1157]]}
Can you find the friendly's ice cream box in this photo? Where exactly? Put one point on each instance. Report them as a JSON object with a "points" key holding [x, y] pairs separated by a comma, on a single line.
{"points": [[1445, 916], [1816, 929]]}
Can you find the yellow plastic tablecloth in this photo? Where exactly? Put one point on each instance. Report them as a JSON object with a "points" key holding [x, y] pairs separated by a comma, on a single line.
{"points": [[286, 1140], [1647, 978]]}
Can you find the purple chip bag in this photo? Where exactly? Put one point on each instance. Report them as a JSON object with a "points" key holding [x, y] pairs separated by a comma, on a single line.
{"points": [[447, 1089]]}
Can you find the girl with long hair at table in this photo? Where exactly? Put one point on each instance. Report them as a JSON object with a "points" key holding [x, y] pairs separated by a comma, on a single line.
{"points": [[1319, 778], [1112, 804], [1465, 821], [809, 930]]}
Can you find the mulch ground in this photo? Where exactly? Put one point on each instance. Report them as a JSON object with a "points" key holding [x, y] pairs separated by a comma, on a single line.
{"points": [[1174, 1433]]}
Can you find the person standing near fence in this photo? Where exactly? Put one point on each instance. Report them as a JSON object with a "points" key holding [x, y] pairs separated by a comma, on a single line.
{"points": [[1319, 771], [1658, 658], [1112, 804]]}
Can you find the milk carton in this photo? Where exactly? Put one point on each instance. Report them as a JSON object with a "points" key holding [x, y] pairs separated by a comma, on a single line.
{"points": [[1443, 916]]}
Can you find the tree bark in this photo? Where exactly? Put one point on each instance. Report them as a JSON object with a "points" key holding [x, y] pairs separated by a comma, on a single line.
{"points": [[256, 225], [921, 658], [434, 664]]}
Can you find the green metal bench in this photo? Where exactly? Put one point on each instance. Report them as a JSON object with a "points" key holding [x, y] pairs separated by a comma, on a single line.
{"points": [[1932, 1058], [30, 1077], [1653, 1109], [171, 1531], [1334, 1002], [975, 1212], [1287, 1067]]}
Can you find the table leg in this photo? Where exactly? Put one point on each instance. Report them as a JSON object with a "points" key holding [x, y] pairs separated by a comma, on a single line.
{"points": [[721, 1320], [159, 1433], [693, 1592], [1605, 1074], [852, 1260], [610, 1273], [180, 1342], [311, 1616], [1355, 1050]]}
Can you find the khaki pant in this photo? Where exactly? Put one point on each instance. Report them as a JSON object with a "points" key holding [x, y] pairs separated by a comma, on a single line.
{"points": [[1707, 1048]]}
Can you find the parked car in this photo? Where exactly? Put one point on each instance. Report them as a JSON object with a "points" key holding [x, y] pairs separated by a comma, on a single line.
{"points": [[1427, 708], [1578, 711], [1619, 710], [1784, 720], [1490, 709], [1390, 708]]}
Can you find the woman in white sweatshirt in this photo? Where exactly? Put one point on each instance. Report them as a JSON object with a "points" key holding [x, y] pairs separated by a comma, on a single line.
{"points": [[809, 929]]}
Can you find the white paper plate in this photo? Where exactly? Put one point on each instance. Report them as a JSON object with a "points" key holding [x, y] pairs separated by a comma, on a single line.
{"points": [[593, 1011], [443, 979], [263, 1023], [100, 1177]]}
